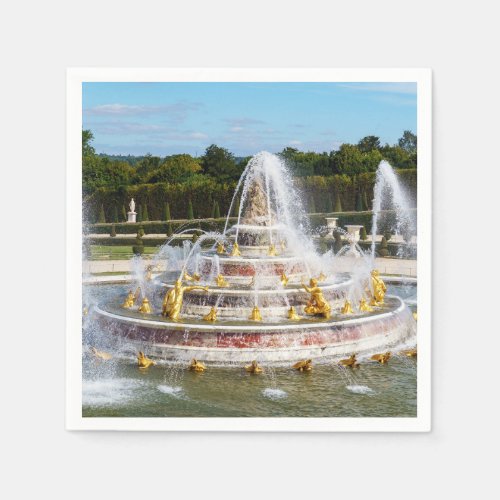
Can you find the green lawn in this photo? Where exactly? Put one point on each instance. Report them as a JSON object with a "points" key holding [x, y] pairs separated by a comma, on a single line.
{"points": [[113, 252]]}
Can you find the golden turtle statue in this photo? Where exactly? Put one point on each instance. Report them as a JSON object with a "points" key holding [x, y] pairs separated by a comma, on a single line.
{"points": [[351, 361], [143, 361], [211, 316], [303, 366], [254, 368], [382, 358], [197, 366]]}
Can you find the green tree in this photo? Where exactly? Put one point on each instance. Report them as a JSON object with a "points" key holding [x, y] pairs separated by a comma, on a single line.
{"points": [[113, 230], [101, 217], [138, 248], [166, 212], [139, 213], [140, 231], [312, 205], [170, 230], [348, 160], [408, 142], [359, 202], [369, 143], [220, 164], [115, 213], [362, 234], [212, 214], [338, 204], [329, 203], [124, 214], [87, 138], [145, 214], [175, 169], [190, 214], [366, 206], [217, 210]]}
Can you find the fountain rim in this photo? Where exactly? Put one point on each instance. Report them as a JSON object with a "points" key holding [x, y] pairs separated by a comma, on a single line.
{"points": [[210, 327]]}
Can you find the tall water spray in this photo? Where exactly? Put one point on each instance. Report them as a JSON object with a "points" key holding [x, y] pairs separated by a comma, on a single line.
{"points": [[387, 185]]}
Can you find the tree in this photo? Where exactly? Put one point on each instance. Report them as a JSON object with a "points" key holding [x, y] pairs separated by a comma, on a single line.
{"points": [[140, 231], [329, 203], [101, 217], [213, 210], [359, 202], [145, 215], [113, 231], [115, 213], [312, 205], [366, 206], [408, 142], [124, 214], [348, 160], [166, 212], [362, 234], [139, 213], [175, 169], [217, 210], [138, 248], [170, 230], [87, 138], [190, 214], [338, 204], [220, 164], [369, 143]]}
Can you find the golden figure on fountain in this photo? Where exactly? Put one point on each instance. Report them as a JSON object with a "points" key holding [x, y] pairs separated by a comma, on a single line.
{"points": [[317, 304], [363, 306], [221, 248], [194, 277], [235, 252], [292, 314], [284, 279], [254, 368], [379, 288], [211, 316], [347, 307], [272, 251], [351, 362], [197, 366], [172, 303], [143, 361], [145, 307], [221, 281], [255, 316], [303, 366], [131, 298]]}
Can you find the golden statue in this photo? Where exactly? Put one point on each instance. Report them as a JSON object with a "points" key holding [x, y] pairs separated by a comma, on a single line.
{"points": [[144, 362], [235, 252], [379, 288], [303, 366], [197, 366], [347, 307], [254, 368], [187, 277], [145, 307], [211, 316], [292, 314], [129, 301], [284, 279], [100, 354], [221, 281], [172, 303], [272, 251], [85, 311], [351, 361], [317, 304], [221, 248], [381, 358], [363, 305], [410, 353], [321, 277], [415, 315], [255, 316]]}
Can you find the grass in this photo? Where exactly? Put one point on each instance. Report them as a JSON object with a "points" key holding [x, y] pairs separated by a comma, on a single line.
{"points": [[103, 252]]}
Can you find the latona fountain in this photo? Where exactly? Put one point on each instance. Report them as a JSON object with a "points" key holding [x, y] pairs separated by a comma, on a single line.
{"points": [[258, 291]]}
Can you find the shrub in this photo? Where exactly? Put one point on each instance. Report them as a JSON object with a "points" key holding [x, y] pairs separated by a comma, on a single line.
{"points": [[124, 214], [139, 213], [166, 212], [338, 204], [138, 248], [359, 202], [145, 215], [113, 231], [362, 234], [140, 231], [217, 211], [213, 210], [190, 214], [383, 250], [170, 230], [366, 206], [102, 217]]}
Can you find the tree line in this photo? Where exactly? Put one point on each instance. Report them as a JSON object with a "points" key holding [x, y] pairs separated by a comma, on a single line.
{"points": [[219, 165]]}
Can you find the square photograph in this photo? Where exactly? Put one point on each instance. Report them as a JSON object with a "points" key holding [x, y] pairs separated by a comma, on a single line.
{"points": [[248, 247]]}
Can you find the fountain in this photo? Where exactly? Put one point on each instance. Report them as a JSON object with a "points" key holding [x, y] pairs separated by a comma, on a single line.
{"points": [[247, 299]]}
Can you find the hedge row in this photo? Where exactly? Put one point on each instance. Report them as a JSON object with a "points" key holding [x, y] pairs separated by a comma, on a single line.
{"points": [[321, 194]]}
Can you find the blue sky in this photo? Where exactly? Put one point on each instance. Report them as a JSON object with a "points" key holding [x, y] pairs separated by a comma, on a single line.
{"points": [[169, 118]]}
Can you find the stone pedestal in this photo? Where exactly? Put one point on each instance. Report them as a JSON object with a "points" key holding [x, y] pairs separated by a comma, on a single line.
{"points": [[131, 216], [331, 224], [354, 232]]}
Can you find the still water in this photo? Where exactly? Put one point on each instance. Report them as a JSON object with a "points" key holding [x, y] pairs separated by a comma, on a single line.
{"points": [[117, 388]]}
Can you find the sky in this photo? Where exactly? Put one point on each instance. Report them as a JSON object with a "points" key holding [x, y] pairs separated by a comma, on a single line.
{"points": [[167, 118]]}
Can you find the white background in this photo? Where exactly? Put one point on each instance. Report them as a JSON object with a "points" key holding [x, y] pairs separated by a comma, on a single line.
{"points": [[459, 42]]}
